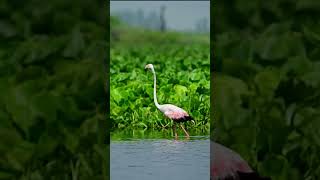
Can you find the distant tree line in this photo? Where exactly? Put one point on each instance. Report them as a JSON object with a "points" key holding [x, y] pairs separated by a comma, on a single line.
{"points": [[156, 20], [139, 18], [202, 25]]}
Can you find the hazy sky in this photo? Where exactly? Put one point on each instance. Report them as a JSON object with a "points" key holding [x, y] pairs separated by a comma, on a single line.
{"points": [[180, 15]]}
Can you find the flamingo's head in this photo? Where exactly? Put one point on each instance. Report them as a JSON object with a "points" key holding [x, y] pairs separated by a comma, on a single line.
{"points": [[149, 66]]}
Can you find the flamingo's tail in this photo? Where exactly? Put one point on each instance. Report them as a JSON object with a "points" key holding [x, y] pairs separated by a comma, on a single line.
{"points": [[184, 119], [192, 120], [248, 176]]}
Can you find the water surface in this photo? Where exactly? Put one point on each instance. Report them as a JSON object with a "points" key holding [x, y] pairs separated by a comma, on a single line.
{"points": [[157, 156]]}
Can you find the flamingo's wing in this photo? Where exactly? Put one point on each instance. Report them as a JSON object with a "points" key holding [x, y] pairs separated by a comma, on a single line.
{"points": [[175, 113]]}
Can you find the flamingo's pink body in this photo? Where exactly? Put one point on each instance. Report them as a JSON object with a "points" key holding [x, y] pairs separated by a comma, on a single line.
{"points": [[173, 112], [228, 165]]}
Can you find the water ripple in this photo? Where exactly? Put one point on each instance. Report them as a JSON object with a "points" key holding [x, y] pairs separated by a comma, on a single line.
{"points": [[158, 159]]}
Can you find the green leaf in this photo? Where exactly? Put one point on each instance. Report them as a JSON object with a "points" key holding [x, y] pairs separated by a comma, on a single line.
{"points": [[71, 140], [6, 175], [17, 104], [141, 124], [76, 44], [116, 95], [312, 78], [10, 138], [45, 105], [90, 125], [307, 4], [227, 95], [267, 81], [7, 30], [297, 66], [180, 90], [46, 145]]}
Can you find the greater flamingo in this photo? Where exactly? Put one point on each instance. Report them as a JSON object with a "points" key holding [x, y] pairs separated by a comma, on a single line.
{"points": [[176, 114], [228, 165]]}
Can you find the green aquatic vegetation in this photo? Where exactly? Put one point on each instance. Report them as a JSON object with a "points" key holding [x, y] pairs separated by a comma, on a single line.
{"points": [[183, 79], [133, 133], [52, 103], [266, 85]]}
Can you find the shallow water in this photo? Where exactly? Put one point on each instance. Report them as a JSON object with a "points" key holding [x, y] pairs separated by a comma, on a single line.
{"points": [[159, 157]]}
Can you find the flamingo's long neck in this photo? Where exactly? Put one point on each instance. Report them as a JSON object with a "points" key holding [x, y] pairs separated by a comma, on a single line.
{"points": [[155, 89]]}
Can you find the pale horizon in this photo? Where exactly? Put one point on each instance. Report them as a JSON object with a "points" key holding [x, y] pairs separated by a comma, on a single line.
{"points": [[184, 19]]}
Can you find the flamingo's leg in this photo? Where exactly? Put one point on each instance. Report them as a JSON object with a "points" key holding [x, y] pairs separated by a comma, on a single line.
{"points": [[184, 130], [175, 131]]}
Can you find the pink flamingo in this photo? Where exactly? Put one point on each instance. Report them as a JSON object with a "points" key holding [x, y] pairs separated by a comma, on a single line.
{"points": [[228, 165], [173, 112]]}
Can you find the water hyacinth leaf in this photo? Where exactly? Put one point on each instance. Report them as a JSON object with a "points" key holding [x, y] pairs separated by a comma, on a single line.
{"points": [[101, 152], [17, 104], [307, 4], [89, 126], [36, 175], [193, 87], [76, 44], [297, 65], [274, 165], [45, 105], [267, 81], [280, 70], [6, 175], [85, 164], [7, 30], [42, 88], [313, 133], [272, 48], [14, 162], [71, 110], [122, 77], [5, 117], [277, 43], [10, 139], [227, 94], [46, 145], [289, 147], [32, 72], [115, 95], [311, 78], [311, 35], [115, 110], [180, 90], [22, 152], [71, 140], [196, 76], [277, 141]]}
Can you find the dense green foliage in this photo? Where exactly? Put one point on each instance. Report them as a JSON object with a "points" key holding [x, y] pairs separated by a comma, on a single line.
{"points": [[266, 84], [52, 103], [182, 70]]}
